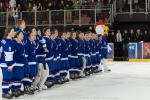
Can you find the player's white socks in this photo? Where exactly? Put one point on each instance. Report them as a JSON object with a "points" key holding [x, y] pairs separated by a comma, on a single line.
{"points": [[82, 73], [105, 67], [68, 75], [100, 67]]}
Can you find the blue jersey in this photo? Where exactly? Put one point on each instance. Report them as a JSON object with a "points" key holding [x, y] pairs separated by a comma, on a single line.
{"points": [[81, 47], [92, 46], [104, 47], [64, 49], [41, 40], [74, 47], [59, 46], [95, 46], [68, 42], [40, 51], [55, 49], [30, 51], [87, 48], [50, 46], [104, 43], [7, 53], [98, 46], [19, 54]]}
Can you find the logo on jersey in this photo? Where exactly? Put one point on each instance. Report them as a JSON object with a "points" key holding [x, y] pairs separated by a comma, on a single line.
{"points": [[3, 42]]}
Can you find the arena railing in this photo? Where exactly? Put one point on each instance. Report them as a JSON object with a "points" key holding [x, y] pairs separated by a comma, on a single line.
{"points": [[64, 18]]}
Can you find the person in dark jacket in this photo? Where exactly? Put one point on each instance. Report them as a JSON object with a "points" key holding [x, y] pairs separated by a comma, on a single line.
{"points": [[112, 37], [145, 37], [132, 36], [125, 36]]}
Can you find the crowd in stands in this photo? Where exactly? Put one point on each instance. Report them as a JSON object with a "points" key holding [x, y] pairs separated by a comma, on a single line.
{"points": [[13, 7], [134, 5], [32, 5]]}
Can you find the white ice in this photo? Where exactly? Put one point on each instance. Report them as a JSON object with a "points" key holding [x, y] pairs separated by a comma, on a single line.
{"points": [[127, 81]]}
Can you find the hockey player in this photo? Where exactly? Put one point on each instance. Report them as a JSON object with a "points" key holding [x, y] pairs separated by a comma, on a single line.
{"points": [[57, 62], [49, 57], [104, 50], [20, 64], [43, 71], [81, 52], [74, 61], [64, 58], [55, 49], [98, 53], [87, 55], [56, 71], [93, 53], [68, 42], [30, 51], [20, 26], [7, 62]]}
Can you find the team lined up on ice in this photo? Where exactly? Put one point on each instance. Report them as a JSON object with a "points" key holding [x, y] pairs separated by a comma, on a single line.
{"points": [[37, 60]]}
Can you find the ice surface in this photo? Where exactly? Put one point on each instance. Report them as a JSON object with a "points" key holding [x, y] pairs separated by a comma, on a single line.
{"points": [[127, 81]]}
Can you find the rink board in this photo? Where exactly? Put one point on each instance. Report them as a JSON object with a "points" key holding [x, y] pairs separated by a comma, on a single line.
{"points": [[136, 51], [133, 60]]}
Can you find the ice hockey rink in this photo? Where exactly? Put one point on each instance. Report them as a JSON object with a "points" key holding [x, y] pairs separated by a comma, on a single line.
{"points": [[127, 81]]}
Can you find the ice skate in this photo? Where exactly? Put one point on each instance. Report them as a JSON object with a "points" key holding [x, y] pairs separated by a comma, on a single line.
{"points": [[28, 91], [7, 96], [15, 93]]}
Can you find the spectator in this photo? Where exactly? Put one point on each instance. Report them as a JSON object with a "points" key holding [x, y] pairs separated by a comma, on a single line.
{"points": [[132, 36], [146, 36], [29, 8], [138, 35], [120, 5], [105, 2], [76, 5], [92, 4], [34, 7], [126, 36], [61, 6], [119, 36], [136, 5], [50, 6], [12, 3], [125, 43], [19, 7], [23, 5], [112, 37], [99, 4], [68, 4], [39, 8], [1, 7], [85, 4], [15, 14]]}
